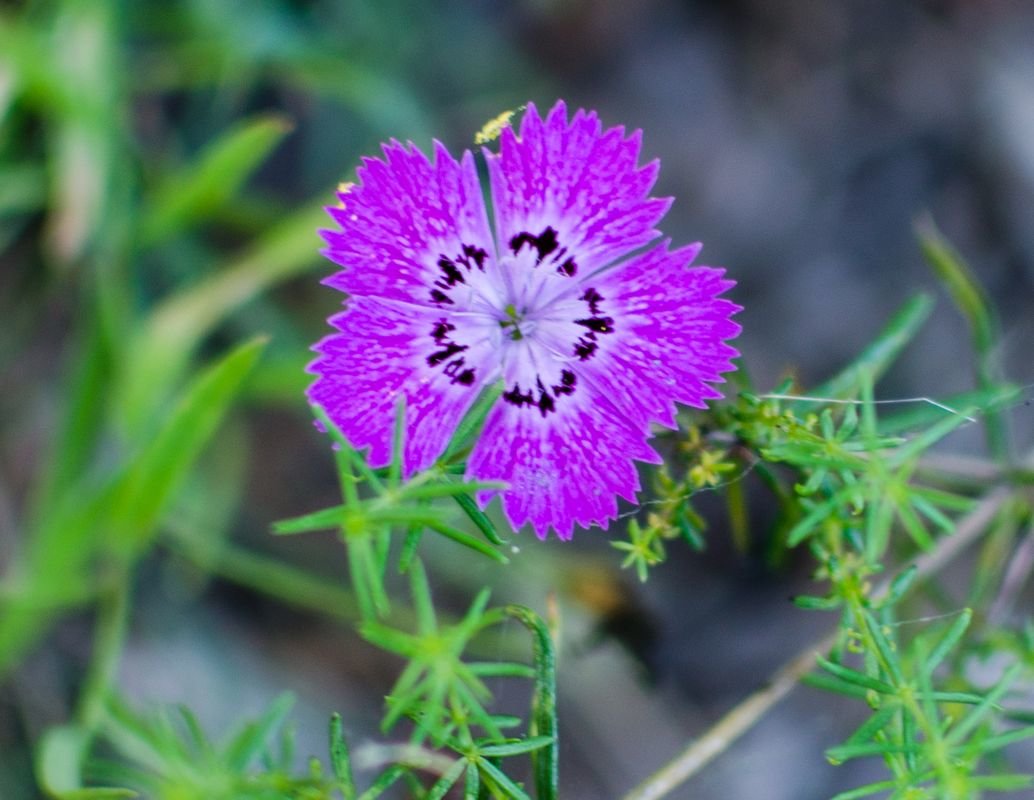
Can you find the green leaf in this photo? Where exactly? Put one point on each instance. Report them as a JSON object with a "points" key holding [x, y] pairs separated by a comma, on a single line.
{"points": [[811, 603], [479, 518], [161, 348], [516, 748], [340, 762], [383, 782], [963, 727], [799, 532], [444, 783], [1001, 783], [160, 469], [882, 352], [971, 300], [467, 540], [472, 422], [887, 651], [853, 676], [921, 443], [846, 752], [504, 783], [876, 723], [200, 190], [59, 758], [324, 519], [427, 622], [992, 743], [948, 641], [866, 791], [273, 577], [81, 419], [458, 490], [254, 738], [501, 670], [899, 586], [828, 683], [472, 785]]}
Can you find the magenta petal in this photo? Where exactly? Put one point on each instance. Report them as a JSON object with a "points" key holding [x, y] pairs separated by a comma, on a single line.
{"points": [[562, 469], [669, 343], [581, 180], [371, 362], [402, 216]]}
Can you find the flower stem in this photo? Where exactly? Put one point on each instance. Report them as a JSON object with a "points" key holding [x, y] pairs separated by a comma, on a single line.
{"points": [[112, 622]]}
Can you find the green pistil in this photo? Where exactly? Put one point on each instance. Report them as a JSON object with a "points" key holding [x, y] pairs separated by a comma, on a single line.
{"points": [[513, 319]]}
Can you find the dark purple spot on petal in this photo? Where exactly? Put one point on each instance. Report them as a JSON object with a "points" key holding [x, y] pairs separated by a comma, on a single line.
{"points": [[447, 352], [567, 383], [441, 330], [518, 398], [546, 403], [455, 367], [450, 272], [547, 399], [470, 257], [597, 324], [584, 348], [545, 243], [593, 298], [475, 254]]}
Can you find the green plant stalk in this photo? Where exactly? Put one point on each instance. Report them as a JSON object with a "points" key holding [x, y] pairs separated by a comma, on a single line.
{"points": [[934, 746], [109, 639], [273, 577], [970, 299], [546, 760]]}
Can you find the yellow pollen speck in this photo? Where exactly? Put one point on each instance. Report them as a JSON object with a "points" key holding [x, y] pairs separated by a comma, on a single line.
{"points": [[491, 130], [345, 187]]}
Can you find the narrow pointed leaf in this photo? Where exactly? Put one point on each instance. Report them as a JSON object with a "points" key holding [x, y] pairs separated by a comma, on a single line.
{"points": [[472, 422], [479, 518], [883, 350], [516, 748], [340, 762], [853, 676], [201, 189], [951, 637], [160, 469], [255, 737]]}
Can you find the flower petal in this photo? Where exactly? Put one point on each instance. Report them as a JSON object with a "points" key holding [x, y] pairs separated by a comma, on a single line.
{"points": [[402, 217], [581, 181], [381, 353], [562, 468], [669, 338]]}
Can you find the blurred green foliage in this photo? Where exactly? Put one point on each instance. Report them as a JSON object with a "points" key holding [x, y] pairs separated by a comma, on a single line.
{"points": [[163, 168]]}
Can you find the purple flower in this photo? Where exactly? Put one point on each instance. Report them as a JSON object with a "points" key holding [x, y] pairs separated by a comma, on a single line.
{"points": [[594, 334]]}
